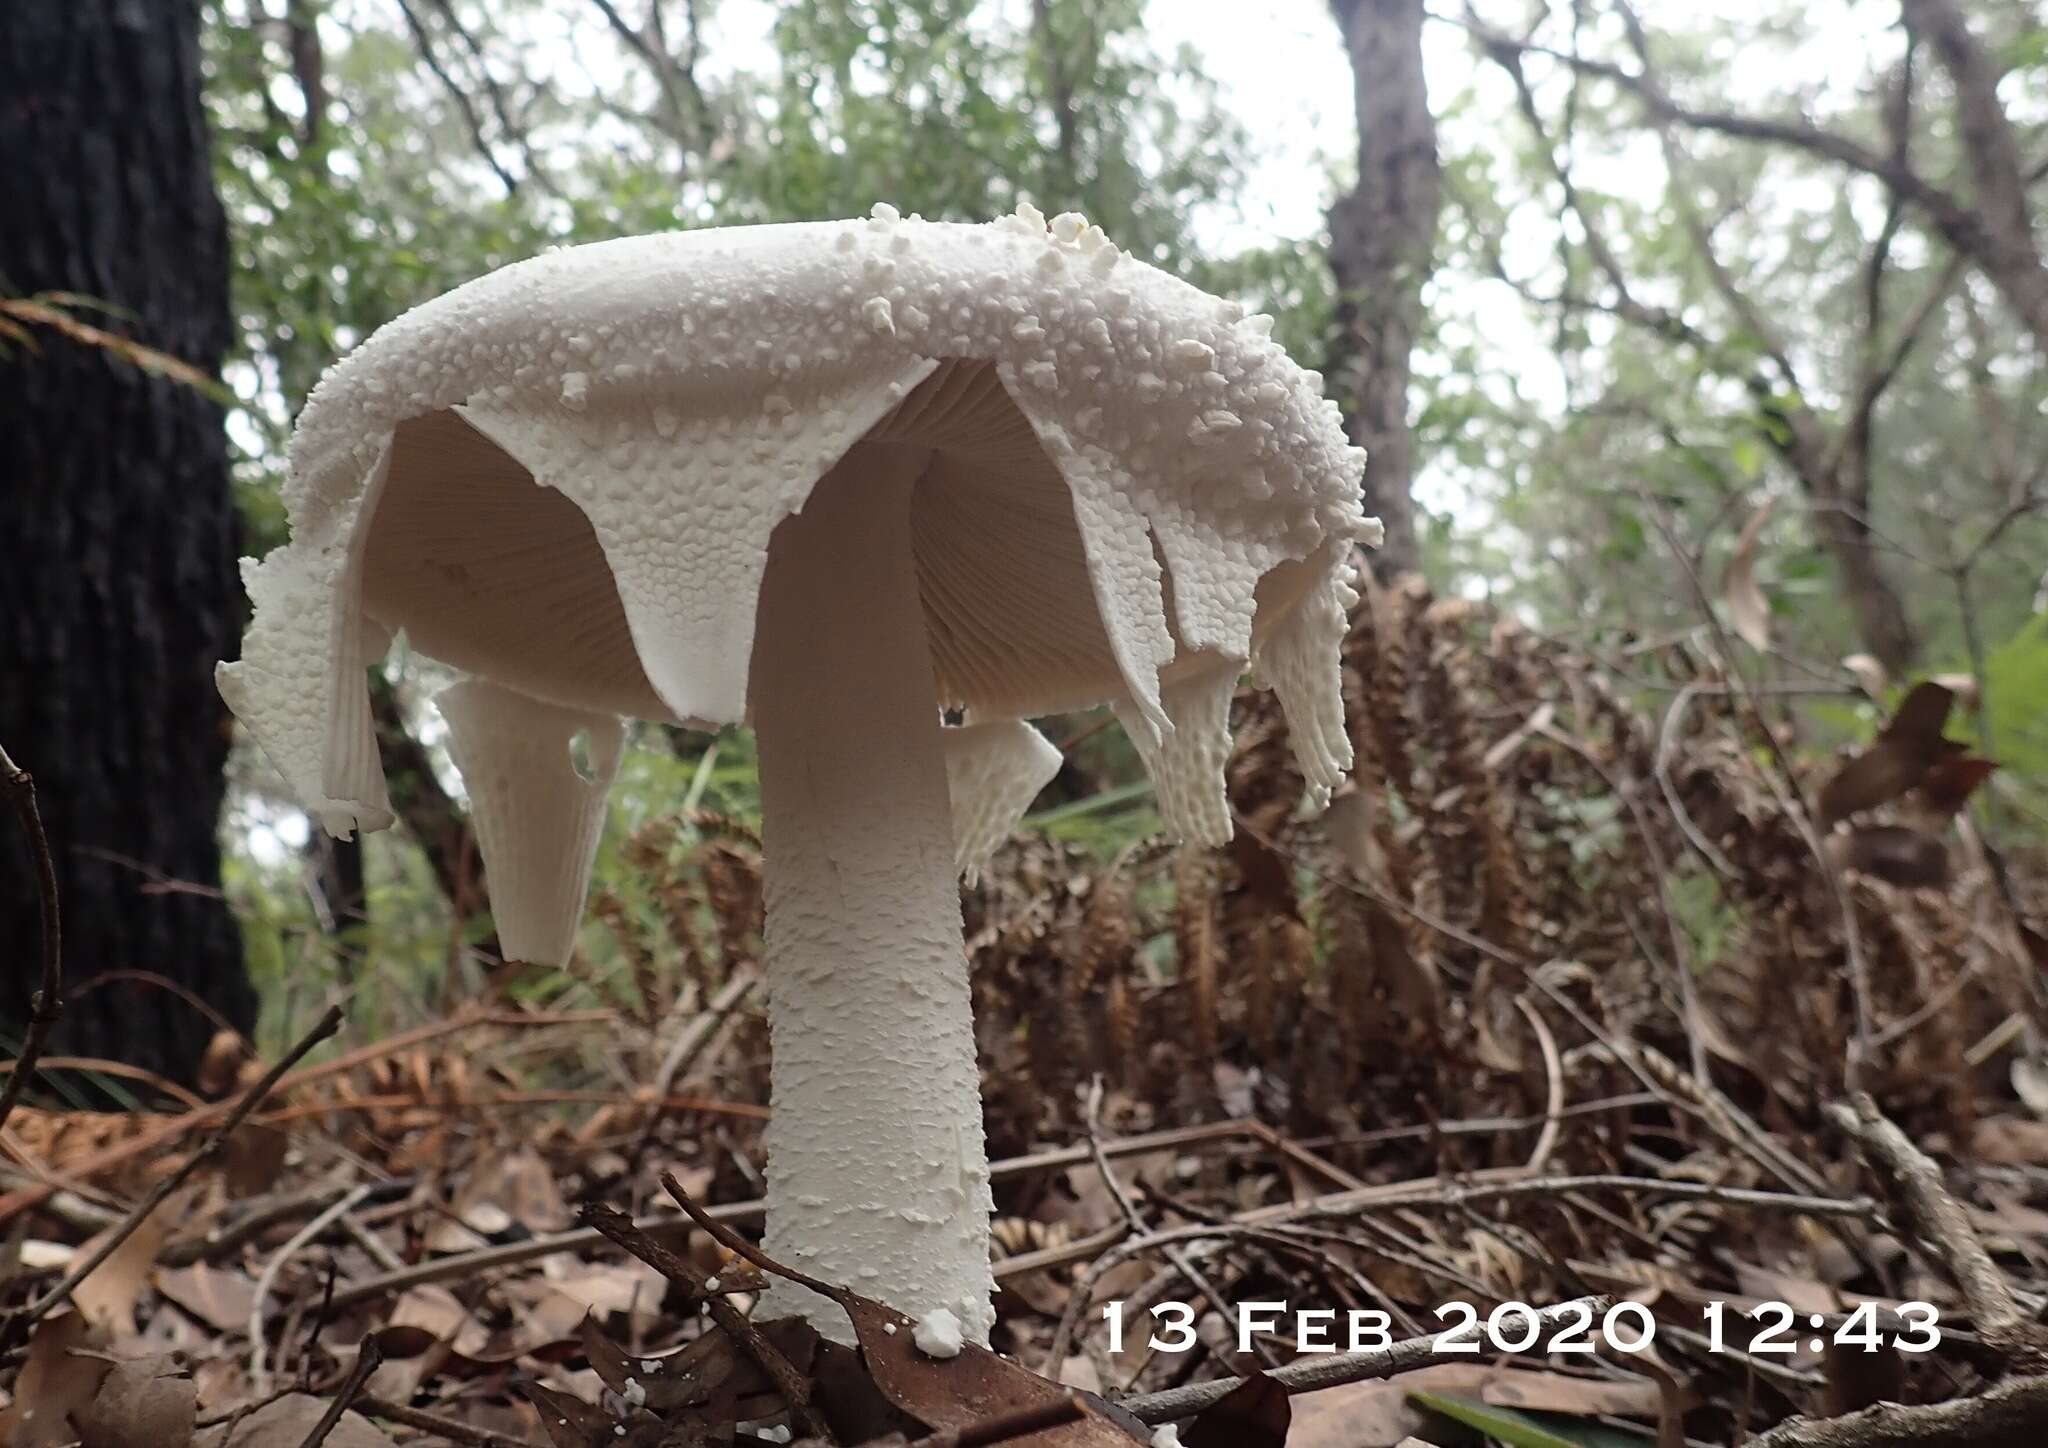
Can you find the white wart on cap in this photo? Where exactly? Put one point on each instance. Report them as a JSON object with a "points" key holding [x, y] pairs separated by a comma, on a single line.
{"points": [[563, 477]]}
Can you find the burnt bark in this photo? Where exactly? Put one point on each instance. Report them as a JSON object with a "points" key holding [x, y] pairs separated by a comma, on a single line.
{"points": [[1382, 251], [117, 530]]}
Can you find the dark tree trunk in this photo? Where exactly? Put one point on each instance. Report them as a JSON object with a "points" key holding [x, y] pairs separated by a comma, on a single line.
{"points": [[1837, 486], [117, 532], [1382, 250], [1882, 623]]}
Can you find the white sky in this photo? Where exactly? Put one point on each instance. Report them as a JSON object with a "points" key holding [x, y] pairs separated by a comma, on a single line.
{"points": [[1283, 73]]}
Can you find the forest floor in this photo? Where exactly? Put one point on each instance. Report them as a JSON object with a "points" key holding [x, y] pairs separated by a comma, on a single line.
{"points": [[1716, 1052]]}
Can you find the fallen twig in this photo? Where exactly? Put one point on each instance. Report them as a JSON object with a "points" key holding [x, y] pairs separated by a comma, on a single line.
{"points": [[512, 1254], [1182, 1263], [266, 1213], [1941, 1222], [48, 1001], [259, 1370], [18, 1324], [452, 1429], [367, 1358], [793, 1386], [2007, 1415]]}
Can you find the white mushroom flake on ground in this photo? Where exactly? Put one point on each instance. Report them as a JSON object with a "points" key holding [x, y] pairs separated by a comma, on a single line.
{"points": [[937, 1334], [829, 479]]}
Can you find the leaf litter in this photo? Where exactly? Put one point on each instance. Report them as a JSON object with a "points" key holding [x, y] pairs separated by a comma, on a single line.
{"points": [[1556, 999]]}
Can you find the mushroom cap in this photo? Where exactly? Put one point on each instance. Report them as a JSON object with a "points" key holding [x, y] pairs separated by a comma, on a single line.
{"points": [[562, 478]]}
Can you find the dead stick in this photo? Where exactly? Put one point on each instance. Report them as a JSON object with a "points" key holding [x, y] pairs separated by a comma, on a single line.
{"points": [[1940, 1221], [1311, 1374], [452, 1429], [367, 1358], [1002, 1427], [20, 1323], [2006, 1415], [1424, 1191], [47, 1003], [733, 1242], [616, 1225]]}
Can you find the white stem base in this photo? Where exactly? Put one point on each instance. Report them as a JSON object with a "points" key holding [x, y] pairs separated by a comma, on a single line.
{"points": [[877, 1172]]}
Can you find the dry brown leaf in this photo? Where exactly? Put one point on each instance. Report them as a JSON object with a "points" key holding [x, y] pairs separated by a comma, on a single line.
{"points": [[1255, 1415], [2009, 1218], [554, 1314], [2010, 1141], [436, 1310], [253, 1159], [530, 1194], [1950, 783], [959, 1390], [1373, 1414], [607, 1359], [142, 1403], [55, 1383], [1079, 1371], [286, 1424], [220, 1297], [600, 1287], [108, 1295], [1898, 760], [222, 1382], [1748, 609], [1858, 1378], [473, 1217], [433, 1309], [568, 1422], [1802, 1294]]}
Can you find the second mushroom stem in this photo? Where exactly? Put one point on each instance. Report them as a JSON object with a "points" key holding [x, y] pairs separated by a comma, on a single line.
{"points": [[877, 1171]]}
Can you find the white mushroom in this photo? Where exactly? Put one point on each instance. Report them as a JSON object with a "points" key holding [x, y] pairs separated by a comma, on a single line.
{"points": [[830, 478]]}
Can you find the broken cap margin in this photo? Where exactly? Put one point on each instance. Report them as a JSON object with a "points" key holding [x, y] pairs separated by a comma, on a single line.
{"points": [[1137, 494]]}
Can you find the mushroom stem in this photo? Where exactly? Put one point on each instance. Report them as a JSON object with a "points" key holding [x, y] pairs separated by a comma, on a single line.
{"points": [[877, 1171]]}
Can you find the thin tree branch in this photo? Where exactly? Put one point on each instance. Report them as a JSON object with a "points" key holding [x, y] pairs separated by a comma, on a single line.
{"points": [[670, 77], [48, 1002], [463, 103], [500, 105], [1964, 228]]}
